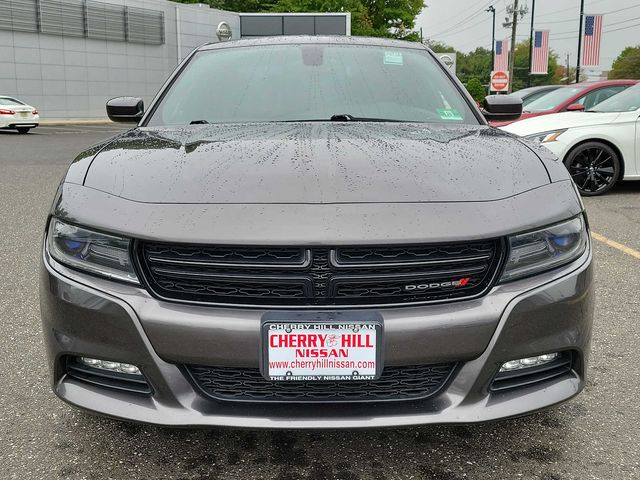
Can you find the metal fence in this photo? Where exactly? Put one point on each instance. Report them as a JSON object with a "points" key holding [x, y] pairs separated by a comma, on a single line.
{"points": [[84, 18]]}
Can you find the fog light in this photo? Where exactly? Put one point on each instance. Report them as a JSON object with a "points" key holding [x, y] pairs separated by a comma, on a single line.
{"points": [[528, 362], [109, 365]]}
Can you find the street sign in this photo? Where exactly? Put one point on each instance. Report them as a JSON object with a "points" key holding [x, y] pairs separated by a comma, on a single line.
{"points": [[499, 81], [449, 59]]}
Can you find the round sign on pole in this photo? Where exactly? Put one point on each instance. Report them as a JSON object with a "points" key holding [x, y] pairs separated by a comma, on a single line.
{"points": [[499, 81]]}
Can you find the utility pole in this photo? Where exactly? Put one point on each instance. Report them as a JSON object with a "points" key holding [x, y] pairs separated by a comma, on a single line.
{"points": [[580, 41], [513, 24], [568, 71], [493, 37], [533, 12]]}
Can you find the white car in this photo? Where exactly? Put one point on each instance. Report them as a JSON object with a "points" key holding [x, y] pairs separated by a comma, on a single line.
{"points": [[17, 115], [599, 146]]}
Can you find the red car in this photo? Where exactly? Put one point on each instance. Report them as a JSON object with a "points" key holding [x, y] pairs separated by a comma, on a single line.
{"points": [[580, 96]]}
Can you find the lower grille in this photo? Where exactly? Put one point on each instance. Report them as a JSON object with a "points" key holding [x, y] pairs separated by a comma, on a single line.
{"points": [[248, 385], [319, 276]]}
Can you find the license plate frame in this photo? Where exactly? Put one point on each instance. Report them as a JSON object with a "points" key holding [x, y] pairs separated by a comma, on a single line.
{"points": [[323, 323]]}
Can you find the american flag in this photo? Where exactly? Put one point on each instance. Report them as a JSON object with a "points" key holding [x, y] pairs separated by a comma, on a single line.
{"points": [[539, 65], [592, 37], [501, 61]]}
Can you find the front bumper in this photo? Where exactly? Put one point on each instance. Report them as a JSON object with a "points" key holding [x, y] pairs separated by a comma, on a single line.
{"points": [[88, 316]]}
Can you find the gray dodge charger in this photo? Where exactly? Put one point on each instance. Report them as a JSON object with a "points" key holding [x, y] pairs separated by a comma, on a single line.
{"points": [[315, 232]]}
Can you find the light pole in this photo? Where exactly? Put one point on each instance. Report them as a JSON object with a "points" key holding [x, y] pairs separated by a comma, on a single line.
{"points": [[493, 37], [580, 41], [533, 12]]}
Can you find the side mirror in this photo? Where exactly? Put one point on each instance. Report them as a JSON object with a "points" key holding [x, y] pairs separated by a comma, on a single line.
{"points": [[125, 109], [502, 107], [575, 107]]}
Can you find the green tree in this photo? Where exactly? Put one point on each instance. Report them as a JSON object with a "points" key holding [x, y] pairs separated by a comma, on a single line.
{"points": [[627, 65], [439, 47], [378, 18], [476, 64], [476, 90]]}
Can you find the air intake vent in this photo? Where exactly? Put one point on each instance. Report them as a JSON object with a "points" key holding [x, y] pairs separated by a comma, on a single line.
{"points": [[396, 383]]}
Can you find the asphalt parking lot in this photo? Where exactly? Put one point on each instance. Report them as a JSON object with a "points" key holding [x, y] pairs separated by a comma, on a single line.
{"points": [[594, 436]]}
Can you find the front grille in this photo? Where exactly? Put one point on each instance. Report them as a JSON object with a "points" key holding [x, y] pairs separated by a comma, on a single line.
{"points": [[317, 276], [395, 383]]}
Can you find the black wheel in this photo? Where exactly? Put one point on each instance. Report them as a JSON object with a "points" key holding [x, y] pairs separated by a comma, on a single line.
{"points": [[594, 167], [23, 129]]}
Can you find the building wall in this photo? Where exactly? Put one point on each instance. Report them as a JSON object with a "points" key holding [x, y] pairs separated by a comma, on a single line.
{"points": [[71, 74], [73, 77]]}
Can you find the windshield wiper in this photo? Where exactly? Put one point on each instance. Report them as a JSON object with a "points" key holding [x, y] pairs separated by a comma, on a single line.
{"points": [[345, 117], [198, 122]]}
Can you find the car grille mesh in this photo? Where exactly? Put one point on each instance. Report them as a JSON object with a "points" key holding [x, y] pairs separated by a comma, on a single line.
{"points": [[395, 383], [317, 276]]}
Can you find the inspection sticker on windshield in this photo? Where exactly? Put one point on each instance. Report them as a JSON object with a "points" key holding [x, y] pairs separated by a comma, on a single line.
{"points": [[393, 58], [321, 351], [449, 114]]}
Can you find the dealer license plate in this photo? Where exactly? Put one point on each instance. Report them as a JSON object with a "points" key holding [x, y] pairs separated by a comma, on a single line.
{"points": [[321, 351]]}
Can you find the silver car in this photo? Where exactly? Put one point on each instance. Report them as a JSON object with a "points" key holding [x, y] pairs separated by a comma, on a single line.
{"points": [[315, 232]]}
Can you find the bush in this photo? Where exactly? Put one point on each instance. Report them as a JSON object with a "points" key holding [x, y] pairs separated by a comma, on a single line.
{"points": [[476, 89]]}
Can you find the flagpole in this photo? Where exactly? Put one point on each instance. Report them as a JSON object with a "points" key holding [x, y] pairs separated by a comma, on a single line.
{"points": [[533, 12], [579, 41]]}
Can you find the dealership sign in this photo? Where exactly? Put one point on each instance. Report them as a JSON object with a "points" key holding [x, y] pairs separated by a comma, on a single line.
{"points": [[499, 81], [223, 32], [449, 59]]}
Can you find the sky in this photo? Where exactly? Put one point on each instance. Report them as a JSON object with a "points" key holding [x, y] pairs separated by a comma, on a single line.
{"points": [[465, 25]]}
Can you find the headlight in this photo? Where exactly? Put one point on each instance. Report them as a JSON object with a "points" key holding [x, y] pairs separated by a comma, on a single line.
{"points": [[544, 249], [94, 252], [545, 137]]}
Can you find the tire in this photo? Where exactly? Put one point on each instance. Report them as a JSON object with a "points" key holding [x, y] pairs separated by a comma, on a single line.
{"points": [[594, 167], [23, 129]]}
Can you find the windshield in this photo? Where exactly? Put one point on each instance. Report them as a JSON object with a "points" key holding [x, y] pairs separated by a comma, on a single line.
{"points": [[626, 101], [553, 99], [275, 83]]}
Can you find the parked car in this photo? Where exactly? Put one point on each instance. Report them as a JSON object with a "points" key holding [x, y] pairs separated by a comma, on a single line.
{"points": [[328, 236], [531, 94], [569, 98], [598, 147], [17, 115]]}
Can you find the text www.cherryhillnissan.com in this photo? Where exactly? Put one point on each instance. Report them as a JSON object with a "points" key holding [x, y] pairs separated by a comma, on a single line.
{"points": [[322, 363]]}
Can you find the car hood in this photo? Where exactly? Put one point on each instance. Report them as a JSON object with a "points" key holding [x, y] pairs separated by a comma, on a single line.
{"points": [[315, 163], [559, 121]]}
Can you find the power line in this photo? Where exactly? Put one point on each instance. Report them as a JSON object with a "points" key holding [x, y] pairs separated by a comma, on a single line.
{"points": [[463, 21], [572, 32], [623, 21], [622, 9], [567, 9], [483, 20], [573, 19], [621, 28]]}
